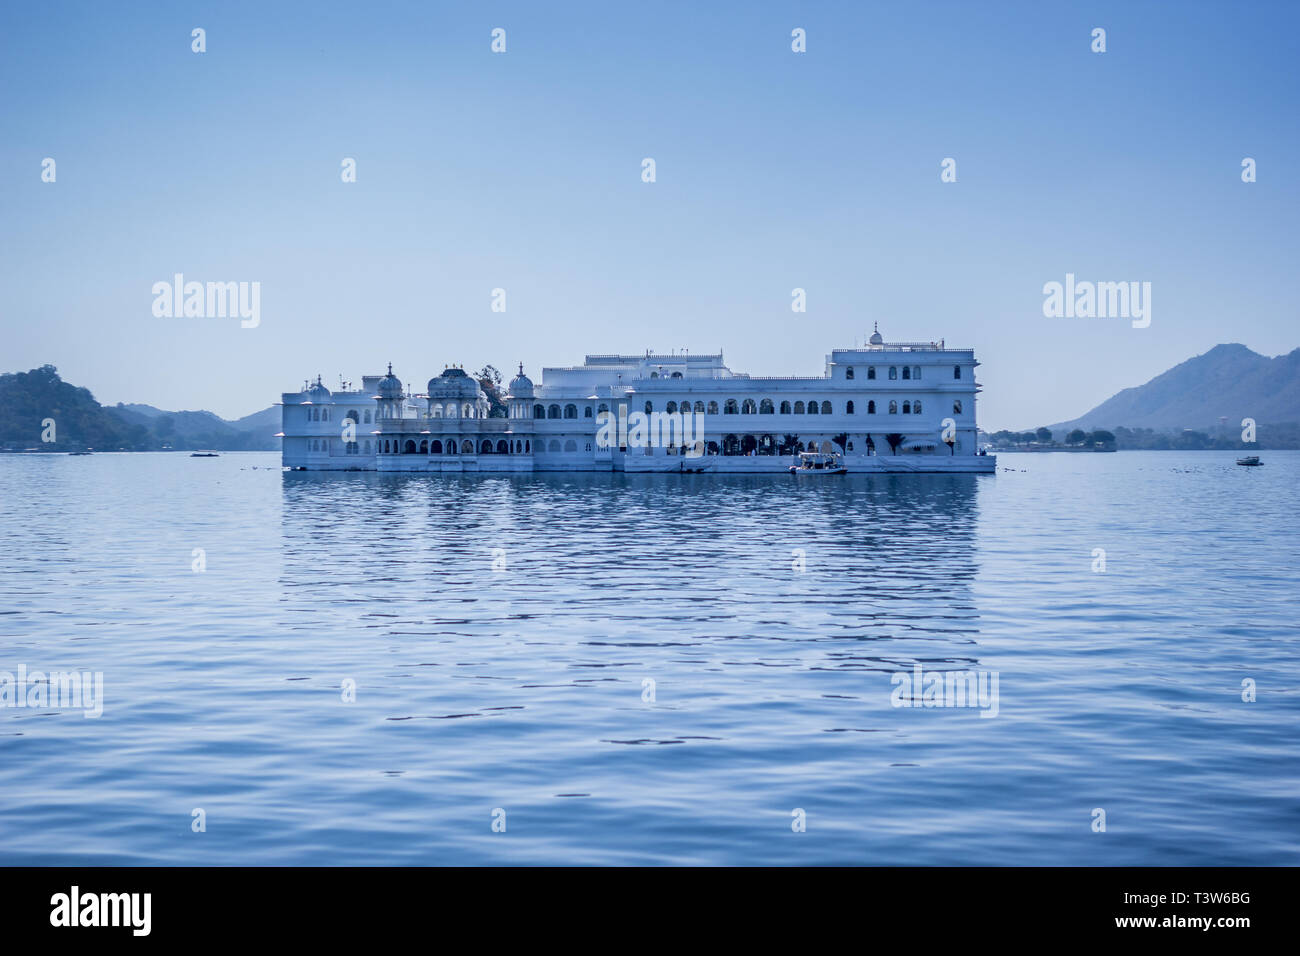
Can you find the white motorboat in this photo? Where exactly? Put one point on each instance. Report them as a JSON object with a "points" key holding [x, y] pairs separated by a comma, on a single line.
{"points": [[818, 463]]}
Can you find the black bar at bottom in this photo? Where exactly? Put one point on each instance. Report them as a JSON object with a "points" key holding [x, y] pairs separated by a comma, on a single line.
{"points": [[336, 906]]}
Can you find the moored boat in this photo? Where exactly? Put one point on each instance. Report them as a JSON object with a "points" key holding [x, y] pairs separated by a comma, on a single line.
{"points": [[818, 463], [1251, 460]]}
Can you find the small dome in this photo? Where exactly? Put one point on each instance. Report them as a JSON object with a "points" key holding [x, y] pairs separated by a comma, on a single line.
{"points": [[318, 391], [521, 386], [876, 337], [390, 386]]}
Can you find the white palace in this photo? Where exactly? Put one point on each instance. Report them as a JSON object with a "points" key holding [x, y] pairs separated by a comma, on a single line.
{"points": [[887, 407]]}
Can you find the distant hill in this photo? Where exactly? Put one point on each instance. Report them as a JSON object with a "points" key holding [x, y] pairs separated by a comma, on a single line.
{"points": [[1229, 381], [29, 398], [267, 420]]}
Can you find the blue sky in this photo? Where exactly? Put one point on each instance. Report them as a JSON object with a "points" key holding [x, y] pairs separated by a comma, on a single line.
{"points": [[522, 171]]}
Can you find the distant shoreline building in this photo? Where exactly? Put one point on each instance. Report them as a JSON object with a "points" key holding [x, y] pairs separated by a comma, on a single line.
{"points": [[883, 406]]}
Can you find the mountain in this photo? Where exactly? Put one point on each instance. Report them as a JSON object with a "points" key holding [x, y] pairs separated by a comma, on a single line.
{"points": [[267, 420], [40, 410], [1229, 382], [201, 429], [27, 399]]}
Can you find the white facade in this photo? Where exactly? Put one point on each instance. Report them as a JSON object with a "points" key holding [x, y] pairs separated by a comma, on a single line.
{"points": [[884, 406]]}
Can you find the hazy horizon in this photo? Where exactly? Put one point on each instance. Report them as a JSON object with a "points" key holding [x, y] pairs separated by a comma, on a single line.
{"points": [[522, 170], [984, 426]]}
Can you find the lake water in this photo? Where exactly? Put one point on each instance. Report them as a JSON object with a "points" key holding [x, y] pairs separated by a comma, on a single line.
{"points": [[521, 693]]}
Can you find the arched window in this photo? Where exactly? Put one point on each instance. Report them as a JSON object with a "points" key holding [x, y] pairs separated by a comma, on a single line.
{"points": [[956, 406], [848, 372], [486, 447], [409, 448], [451, 446], [467, 411], [570, 411], [748, 408], [730, 407], [649, 406], [554, 446], [893, 408], [907, 373], [956, 371], [893, 372], [785, 408], [451, 410], [467, 447], [435, 447], [871, 407], [848, 408], [907, 408], [826, 408], [765, 407], [677, 375], [871, 372], [424, 446], [916, 407], [586, 411], [654, 374], [798, 408], [435, 410], [367, 418], [528, 448], [352, 416], [503, 448], [602, 407], [713, 408], [553, 411], [325, 415], [539, 411], [671, 408], [916, 372], [813, 409], [570, 445], [699, 407]]}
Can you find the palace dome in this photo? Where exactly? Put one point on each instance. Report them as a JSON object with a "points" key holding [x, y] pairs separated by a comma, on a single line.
{"points": [[521, 386], [454, 383], [390, 386], [318, 392]]}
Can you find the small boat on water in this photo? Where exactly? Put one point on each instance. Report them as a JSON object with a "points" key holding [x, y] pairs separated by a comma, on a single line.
{"points": [[1251, 460], [818, 463], [204, 454], [86, 452]]}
